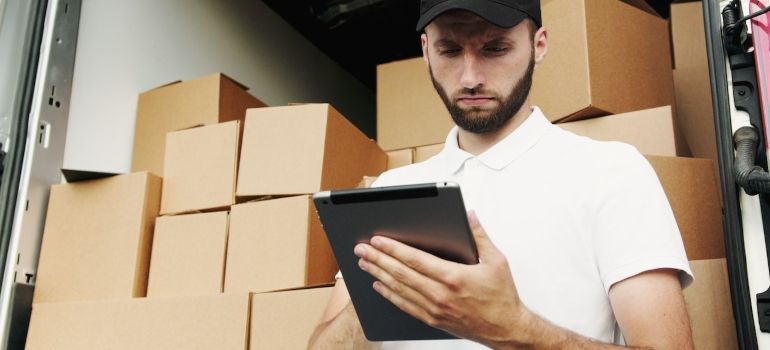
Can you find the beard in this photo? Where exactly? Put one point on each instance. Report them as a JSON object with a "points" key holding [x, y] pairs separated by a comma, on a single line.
{"points": [[478, 121]]}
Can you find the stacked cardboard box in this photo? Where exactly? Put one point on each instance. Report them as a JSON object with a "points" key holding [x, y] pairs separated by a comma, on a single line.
{"points": [[207, 272]]}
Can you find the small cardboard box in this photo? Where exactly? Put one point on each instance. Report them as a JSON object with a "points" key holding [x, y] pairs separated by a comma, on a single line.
{"points": [[188, 255], [693, 194], [709, 307], [367, 182], [206, 100], [303, 149], [605, 57], [201, 322], [201, 165], [286, 320], [651, 131], [399, 158], [277, 244], [97, 238], [423, 153], [409, 111]]}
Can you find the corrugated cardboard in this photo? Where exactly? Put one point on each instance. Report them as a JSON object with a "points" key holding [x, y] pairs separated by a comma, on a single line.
{"points": [[200, 167], [709, 307], [202, 322], [423, 153], [207, 100], [605, 57], [97, 239], [303, 149], [367, 182], [277, 244], [651, 131], [286, 320], [188, 255], [688, 35], [399, 158], [409, 111], [692, 192]]}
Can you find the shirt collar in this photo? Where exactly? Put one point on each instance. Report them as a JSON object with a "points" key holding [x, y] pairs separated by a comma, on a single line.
{"points": [[504, 152]]}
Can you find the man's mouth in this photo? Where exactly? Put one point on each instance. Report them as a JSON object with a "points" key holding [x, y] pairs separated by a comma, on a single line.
{"points": [[474, 101]]}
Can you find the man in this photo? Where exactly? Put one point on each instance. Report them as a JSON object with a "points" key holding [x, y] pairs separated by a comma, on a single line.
{"points": [[574, 235]]}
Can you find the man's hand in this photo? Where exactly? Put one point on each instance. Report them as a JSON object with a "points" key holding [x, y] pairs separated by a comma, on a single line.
{"points": [[477, 302]]}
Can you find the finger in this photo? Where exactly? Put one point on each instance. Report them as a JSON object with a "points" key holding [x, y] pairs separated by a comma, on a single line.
{"points": [[404, 304], [383, 266], [425, 263], [484, 244], [395, 286]]}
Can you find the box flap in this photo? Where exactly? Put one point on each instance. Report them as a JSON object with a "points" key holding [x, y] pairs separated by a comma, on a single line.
{"points": [[72, 175]]}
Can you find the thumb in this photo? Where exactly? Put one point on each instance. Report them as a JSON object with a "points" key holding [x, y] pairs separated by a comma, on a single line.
{"points": [[484, 245]]}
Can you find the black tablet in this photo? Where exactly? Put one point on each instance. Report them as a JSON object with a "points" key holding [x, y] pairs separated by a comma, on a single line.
{"points": [[430, 217]]}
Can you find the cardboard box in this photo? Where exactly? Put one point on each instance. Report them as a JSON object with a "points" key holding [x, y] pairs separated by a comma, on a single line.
{"points": [[97, 238], [179, 105], [277, 244], [286, 320], [188, 255], [651, 131], [201, 165], [303, 149], [605, 57], [693, 194], [202, 322], [423, 153], [399, 158], [709, 306], [367, 182], [409, 110]]}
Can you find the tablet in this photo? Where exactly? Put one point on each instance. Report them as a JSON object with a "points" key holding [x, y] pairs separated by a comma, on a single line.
{"points": [[430, 217]]}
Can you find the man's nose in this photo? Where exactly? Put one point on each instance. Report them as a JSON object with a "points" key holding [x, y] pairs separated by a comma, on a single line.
{"points": [[472, 76]]}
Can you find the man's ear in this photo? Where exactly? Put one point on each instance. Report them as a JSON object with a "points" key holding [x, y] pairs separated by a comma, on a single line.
{"points": [[424, 44], [540, 45]]}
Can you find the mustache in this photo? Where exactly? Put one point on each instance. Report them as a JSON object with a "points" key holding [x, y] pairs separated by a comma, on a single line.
{"points": [[475, 91]]}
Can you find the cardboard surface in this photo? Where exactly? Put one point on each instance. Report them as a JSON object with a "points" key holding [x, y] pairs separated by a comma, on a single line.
{"points": [[188, 255], [277, 244], [303, 149], [605, 57], [201, 165], [409, 110], [203, 322], [688, 35], [693, 194], [399, 158], [206, 100], [97, 238], [286, 320], [367, 182], [651, 131], [423, 153], [709, 306]]}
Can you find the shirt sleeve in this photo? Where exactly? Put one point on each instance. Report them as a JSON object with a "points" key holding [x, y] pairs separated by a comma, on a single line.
{"points": [[635, 229]]}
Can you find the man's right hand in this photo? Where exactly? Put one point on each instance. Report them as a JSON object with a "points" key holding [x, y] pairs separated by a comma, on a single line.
{"points": [[339, 327]]}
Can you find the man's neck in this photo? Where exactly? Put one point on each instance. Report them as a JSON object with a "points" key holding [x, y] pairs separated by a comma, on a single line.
{"points": [[476, 144]]}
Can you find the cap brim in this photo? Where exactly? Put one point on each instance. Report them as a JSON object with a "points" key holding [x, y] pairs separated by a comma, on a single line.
{"points": [[497, 14]]}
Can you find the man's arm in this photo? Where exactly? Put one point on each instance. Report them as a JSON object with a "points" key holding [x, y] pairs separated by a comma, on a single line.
{"points": [[480, 302], [339, 327]]}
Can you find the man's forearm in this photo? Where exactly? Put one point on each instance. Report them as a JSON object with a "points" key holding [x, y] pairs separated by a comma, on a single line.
{"points": [[342, 332]]}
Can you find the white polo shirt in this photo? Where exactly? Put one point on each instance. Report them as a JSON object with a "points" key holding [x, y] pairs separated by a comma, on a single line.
{"points": [[572, 215]]}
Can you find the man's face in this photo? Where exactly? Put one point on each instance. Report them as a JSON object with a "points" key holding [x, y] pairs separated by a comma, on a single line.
{"points": [[482, 72]]}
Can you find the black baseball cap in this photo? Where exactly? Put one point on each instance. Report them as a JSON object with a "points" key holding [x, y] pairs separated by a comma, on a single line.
{"points": [[502, 13]]}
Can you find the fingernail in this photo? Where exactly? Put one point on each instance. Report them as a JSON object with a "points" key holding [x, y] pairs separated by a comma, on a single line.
{"points": [[376, 241], [362, 264], [359, 250]]}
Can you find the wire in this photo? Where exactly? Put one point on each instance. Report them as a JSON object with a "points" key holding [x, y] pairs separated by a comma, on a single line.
{"points": [[748, 17]]}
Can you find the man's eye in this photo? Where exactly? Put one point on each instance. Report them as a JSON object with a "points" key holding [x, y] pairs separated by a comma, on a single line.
{"points": [[496, 49], [448, 51]]}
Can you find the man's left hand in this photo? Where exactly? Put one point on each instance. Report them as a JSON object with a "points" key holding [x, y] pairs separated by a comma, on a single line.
{"points": [[477, 302]]}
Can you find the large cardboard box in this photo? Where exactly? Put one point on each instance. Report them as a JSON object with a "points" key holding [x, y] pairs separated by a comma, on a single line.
{"points": [[286, 320], [399, 158], [692, 192], [97, 238], [277, 244], [409, 111], [651, 131], [188, 255], [424, 153], [604, 57], [303, 149], [202, 322], [201, 165], [207, 100], [709, 307]]}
